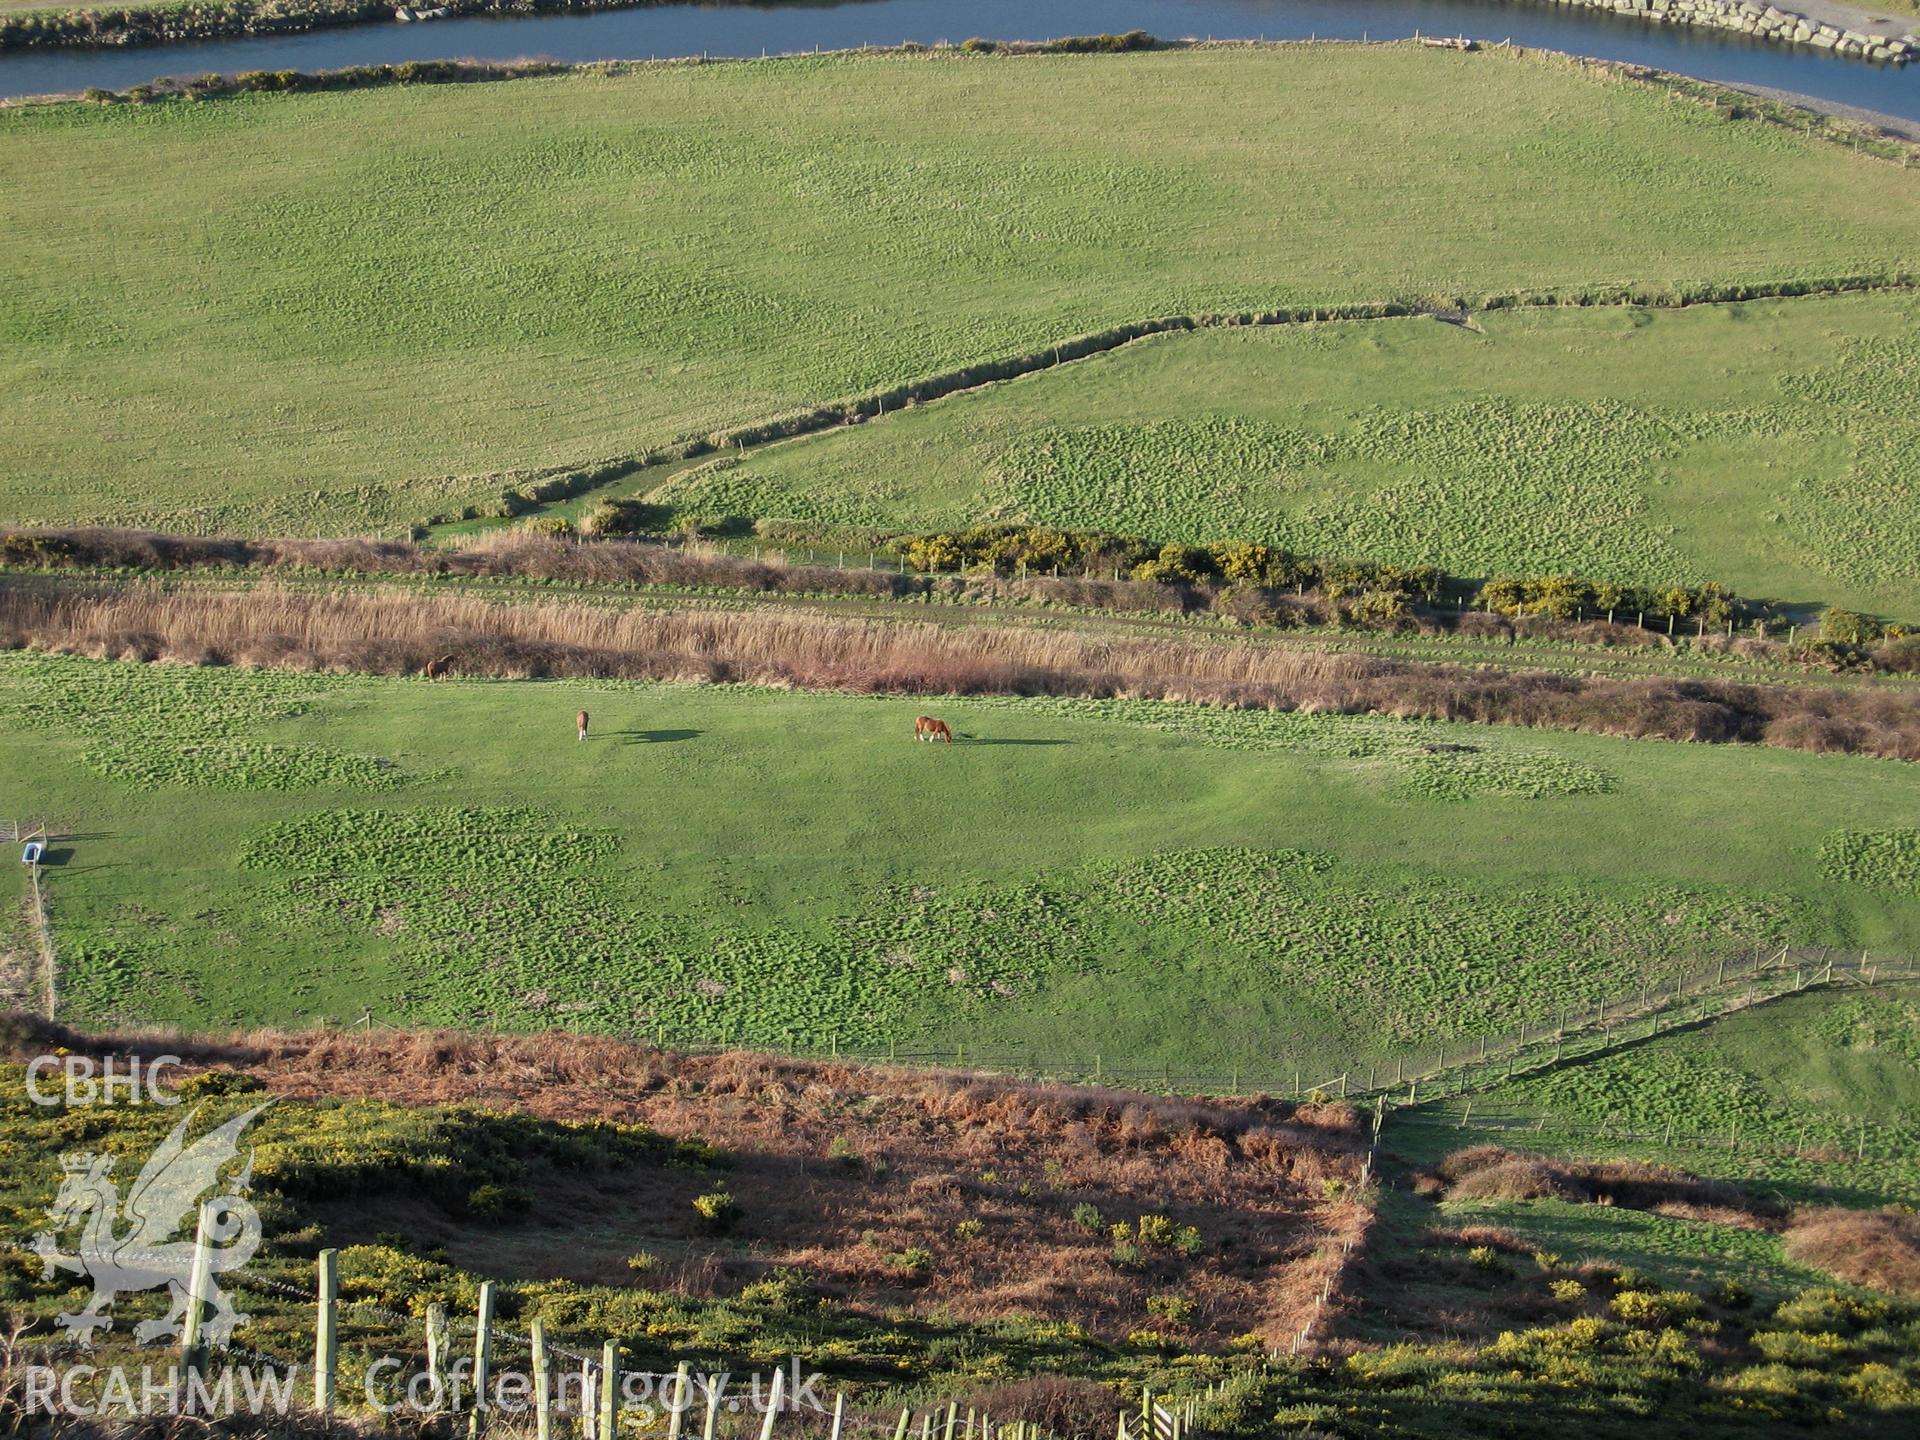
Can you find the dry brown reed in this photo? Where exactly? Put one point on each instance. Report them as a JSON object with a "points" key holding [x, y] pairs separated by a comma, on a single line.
{"points": [[395, 631]]}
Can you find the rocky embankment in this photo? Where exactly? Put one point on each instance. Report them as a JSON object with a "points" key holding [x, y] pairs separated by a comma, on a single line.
{"points": [[1766, 22]]}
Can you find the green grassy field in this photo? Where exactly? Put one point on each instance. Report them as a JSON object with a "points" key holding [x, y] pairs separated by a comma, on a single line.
{"points": [[1157, 884], [346, 311], [1746, 443], [1772, 1099], [1775, 1098]]}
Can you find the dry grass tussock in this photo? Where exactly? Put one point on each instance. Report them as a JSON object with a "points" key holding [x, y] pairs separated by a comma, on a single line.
{"points": [[840, 1169], [1880, 1248], [1491, 1172], [384, 632]]}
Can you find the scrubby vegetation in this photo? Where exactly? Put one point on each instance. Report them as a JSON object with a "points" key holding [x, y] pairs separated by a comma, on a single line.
{"points": [[1588, 1345]]}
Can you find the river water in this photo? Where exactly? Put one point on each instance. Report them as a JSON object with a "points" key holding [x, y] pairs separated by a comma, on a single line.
{"points": [[672, 30]]}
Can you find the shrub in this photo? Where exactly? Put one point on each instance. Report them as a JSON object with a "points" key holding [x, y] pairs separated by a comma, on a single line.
{"points": [[498, 1202], [841, 1150], [1849, 627], [1568, 1292], [1799, 1347], [1174, 1309], [716, 1210], [1156, 1230], [969, 1229], [1087, 1217], [642, 1261], [1126, 1256], [1655, 1308], [210, 1083], [1730, 1295], [1484, 1257], [914, 1262], [1188, 1242]]}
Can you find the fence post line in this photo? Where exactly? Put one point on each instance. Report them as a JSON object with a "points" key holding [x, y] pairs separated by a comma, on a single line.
{"points": [[906, 1419], [713, 1409], [482, 1354], [953, 1414], [542, 1382], [198, 1281], [839, 1412], [325, 1340]]}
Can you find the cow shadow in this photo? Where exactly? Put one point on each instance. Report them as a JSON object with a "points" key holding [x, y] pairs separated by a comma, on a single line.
{"points": [[653, 737]]}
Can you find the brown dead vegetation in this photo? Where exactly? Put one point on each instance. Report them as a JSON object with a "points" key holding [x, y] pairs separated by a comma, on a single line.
{"points": [[402, 632], [1880, 1248], [840, 1168], [1492, 1172]]}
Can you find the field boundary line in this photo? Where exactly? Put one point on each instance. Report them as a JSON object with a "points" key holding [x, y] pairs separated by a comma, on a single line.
{"points": [[571, 481]]}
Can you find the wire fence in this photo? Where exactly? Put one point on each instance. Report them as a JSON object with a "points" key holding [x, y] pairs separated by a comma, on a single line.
{"points": [[1852, 1141], [1734, 982], [441, 1365]]}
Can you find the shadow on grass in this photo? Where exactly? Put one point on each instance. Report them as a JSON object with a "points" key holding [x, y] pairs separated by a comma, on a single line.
{"points": [[968, 740], [651, 737]]}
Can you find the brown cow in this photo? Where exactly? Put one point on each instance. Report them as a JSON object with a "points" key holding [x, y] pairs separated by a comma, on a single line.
{"points": [[580, 723], [929, 729], [439, 669]]}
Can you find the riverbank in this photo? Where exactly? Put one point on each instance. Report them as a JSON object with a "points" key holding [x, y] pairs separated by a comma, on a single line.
{"points": [[1823, 25]]}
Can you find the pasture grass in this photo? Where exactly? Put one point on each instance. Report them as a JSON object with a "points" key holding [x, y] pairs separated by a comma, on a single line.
{"points": [[1756, 444], [1774, 1097], [1156, 884], [349, 311]]}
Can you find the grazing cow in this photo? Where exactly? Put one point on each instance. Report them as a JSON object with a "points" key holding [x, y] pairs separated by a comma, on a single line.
{"points": [[580, 723], [439, 669], [929, 729]]}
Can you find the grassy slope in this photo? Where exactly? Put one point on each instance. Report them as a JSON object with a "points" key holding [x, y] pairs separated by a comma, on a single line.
{"points": [[760, 865], [1795, 1078], [1741, 443], [333, 311]]}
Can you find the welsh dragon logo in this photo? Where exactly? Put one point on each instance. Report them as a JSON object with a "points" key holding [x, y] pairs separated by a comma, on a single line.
{"points": [[127, 1245]]}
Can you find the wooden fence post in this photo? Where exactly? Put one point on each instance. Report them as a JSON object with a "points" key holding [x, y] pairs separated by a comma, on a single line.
{"points": [[774, 1396], [542, 1382], [325, 1338], [679, 1404], [437, 1353], [713, 1409], [199, 1279], [482, 1354], [610, 1390], [906, 1419], [839, 1412]]}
